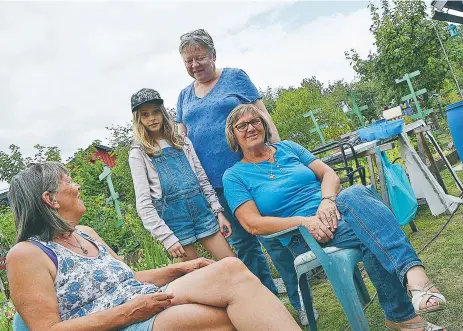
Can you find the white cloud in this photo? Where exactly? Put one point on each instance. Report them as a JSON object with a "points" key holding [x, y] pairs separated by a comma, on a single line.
{"points": [[71, 67]]}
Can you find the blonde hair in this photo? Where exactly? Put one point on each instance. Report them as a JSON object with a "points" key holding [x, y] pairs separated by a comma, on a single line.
{"points": [[235, 115], [149, 145]]}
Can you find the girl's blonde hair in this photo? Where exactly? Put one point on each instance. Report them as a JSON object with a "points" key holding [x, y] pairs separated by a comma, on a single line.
{"points": [[150, 145]]}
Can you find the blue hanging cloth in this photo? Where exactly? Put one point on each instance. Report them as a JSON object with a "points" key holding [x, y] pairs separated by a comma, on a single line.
{"points": [[401, 196]]}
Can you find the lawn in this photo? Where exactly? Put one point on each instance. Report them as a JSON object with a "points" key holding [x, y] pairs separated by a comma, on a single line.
{"points": [[444, 264]]}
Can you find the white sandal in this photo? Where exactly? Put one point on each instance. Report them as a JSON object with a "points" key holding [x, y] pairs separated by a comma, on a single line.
{"points": [[419, 294]]}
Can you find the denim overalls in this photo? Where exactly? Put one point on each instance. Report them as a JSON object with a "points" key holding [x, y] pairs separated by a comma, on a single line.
{"points": [[182, 206]]}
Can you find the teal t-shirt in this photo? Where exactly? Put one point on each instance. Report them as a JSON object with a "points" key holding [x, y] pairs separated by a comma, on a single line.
{"points": [[295, 190]]}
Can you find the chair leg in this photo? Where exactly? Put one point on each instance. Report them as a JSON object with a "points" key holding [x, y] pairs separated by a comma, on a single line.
{"points": [[307, 300], [353, 309], [344, 288], [362, 291]]}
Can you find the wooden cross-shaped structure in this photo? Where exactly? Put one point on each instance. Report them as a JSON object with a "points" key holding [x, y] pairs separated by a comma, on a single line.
{"points": [[318, 128], [106, 174], [421, 114], [357, 110]]}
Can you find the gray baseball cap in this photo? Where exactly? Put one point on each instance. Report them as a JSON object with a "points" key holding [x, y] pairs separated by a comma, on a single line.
{"points": [[145, 95]]}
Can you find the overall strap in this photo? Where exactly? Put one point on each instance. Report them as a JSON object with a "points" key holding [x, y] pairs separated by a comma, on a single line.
{"points": [[175, 173]]}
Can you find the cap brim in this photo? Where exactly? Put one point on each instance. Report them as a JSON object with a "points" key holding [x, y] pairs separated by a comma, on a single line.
{"points": [[155, 101]]}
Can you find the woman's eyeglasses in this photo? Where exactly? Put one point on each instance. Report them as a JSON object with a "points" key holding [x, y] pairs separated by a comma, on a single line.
{"points": [[243, 126]]}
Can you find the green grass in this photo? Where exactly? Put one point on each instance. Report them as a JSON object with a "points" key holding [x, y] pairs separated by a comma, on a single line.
{"points": [[6, 313], [443, 260]]}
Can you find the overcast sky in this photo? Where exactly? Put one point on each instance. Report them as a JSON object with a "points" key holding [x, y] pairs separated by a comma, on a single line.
{"points": [[68, 69]]}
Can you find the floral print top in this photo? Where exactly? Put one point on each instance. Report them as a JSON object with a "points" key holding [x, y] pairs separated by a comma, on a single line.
{"points": [[86, 285]]}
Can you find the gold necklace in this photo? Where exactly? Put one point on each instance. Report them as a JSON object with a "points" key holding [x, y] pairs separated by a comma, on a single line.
{"points": [[271, 175], [83, 249]]}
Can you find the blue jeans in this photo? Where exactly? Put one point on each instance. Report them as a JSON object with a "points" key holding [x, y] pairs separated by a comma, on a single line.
{"points": [[247, 247], [367, 223], [282, 258], [188, 216]]}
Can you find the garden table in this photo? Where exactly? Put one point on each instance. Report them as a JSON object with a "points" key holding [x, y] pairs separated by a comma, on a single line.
{"points": [[368, 150], [427, 182]]}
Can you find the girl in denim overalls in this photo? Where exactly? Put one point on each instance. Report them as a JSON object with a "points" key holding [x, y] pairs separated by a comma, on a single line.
{"points": [[175, 200]]}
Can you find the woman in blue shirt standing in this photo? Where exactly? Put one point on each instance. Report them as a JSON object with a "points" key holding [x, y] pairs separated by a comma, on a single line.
{"points": [[202, 109]]}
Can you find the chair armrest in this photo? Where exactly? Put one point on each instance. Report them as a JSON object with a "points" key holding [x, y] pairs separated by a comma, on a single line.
{"points": [[311, 242], [279, 233], [314, 246]]}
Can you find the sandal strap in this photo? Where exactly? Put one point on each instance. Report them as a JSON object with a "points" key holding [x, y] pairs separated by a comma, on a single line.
{"points": [[432, 327], [426, 325], [413, 325], [425, 288], [420, 293]]}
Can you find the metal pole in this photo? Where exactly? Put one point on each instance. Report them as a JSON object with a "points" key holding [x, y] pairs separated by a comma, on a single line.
{"points": [[447, 58]]}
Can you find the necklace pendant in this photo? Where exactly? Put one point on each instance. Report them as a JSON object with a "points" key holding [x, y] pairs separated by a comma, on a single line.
{"points": [[84, 250], [272, 176]]}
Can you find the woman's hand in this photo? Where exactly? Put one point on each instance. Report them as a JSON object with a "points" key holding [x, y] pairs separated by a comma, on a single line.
{"points": [[145, 306], [176, 250], [317, 229], [224, 225], [329, 214], [190, 266]]}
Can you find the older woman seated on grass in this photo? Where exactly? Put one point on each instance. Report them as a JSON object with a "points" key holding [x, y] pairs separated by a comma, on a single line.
{"points": [[279, 186], [64, 277]]}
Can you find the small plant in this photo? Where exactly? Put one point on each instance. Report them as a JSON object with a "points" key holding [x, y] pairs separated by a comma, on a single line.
{"points": [[155, 255], [6, 313]]}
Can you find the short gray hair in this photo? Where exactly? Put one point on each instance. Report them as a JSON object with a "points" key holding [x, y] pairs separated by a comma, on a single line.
{"points": [[198, 37], [235, 115], [32, 216]]}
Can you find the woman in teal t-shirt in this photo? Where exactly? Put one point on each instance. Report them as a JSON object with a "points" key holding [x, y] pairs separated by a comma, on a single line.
{"points": [[279, 186]]}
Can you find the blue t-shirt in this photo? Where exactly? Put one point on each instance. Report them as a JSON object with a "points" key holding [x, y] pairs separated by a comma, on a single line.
{"points": [[295, 191], [205, 119]]}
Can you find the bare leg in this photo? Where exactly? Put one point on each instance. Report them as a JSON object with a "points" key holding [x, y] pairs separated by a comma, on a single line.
{"points": [[190, 252], [229, 284], [217, 246], [193, 317]]}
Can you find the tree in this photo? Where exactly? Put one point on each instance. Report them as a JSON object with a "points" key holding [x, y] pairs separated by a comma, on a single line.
{"points": [[405, 41], [292, 103], [120, 135], [366, 93], [47, 154], [11, 164], [269, 97]]}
